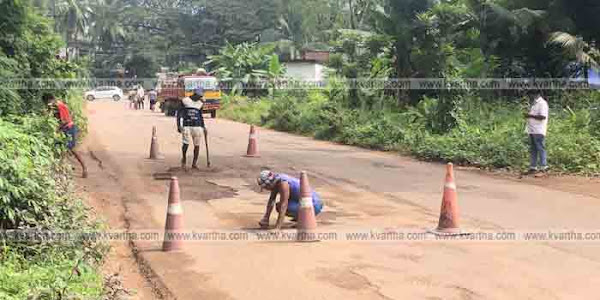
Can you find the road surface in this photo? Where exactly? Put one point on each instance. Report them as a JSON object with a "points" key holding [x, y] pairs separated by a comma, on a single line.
{"points": [[363, 190]]}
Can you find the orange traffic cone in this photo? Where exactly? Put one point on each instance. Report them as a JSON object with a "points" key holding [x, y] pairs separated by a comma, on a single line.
{"points": [[307, 222], [174, 223], [154, 144], [252, 143], [448, 224]]}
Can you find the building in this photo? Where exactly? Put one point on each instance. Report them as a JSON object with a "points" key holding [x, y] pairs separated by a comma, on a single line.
{"points": [[310, 66]]}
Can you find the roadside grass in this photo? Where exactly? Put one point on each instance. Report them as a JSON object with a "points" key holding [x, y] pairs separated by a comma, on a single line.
{"points": [[243, 110], [51, 277], [487, 134]]}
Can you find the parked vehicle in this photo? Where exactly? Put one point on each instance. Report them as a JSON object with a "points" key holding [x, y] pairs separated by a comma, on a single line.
{"points": [[104, 92], [172, 89]]}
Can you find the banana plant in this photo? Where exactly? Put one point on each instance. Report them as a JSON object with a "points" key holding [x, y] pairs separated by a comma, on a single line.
{"points": [[237, 64], [272, 74]]}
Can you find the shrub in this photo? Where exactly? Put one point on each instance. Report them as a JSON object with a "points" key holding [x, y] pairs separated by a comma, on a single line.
{"points": [[243, 109], [486, 134]]}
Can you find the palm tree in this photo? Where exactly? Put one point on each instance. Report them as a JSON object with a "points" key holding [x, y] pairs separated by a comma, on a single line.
{"points": [[491, 18], [106, 27], [71, 19], [575, 47]]}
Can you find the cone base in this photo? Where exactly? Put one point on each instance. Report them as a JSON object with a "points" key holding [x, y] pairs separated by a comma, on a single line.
{"points": [[160, 157], [169, 247], [448, 232], [251, 156]]}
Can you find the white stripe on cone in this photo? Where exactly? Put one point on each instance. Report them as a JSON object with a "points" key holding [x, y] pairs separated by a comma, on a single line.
{"points": [[306, 202], [175, 209], [450, 185]]}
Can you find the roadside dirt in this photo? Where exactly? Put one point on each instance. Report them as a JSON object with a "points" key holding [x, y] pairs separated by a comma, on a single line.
{"points": [[107, 206]]}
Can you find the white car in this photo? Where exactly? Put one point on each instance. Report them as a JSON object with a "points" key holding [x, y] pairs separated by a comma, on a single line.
{"points": [[104, 92]]}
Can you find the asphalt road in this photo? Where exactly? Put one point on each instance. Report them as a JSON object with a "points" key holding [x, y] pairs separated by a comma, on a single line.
{"points": [[363, 191]]}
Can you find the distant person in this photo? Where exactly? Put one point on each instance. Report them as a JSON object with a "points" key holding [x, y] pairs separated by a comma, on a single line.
{"points": [[152, 96], [288, 189], [61, 112], [190, 123], [140, 97], [132, 100], [537, 126]]}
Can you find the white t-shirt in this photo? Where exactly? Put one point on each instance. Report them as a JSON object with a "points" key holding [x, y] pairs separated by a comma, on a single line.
{"points": [[539, 108]]}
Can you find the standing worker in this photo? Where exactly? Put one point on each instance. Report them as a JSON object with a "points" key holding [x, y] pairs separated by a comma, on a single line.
{"points": [[152, 96], [140, 97], [61, 112], [132, 101], [288, 189], [190, 123], [537, 126]]}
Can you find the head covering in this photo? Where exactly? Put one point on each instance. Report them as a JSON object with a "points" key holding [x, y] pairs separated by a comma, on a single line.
{"points": [[266, 178]]}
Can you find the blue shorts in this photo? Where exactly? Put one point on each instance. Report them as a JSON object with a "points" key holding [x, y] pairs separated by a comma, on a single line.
{"points": [[71, 134], [294, 207]]}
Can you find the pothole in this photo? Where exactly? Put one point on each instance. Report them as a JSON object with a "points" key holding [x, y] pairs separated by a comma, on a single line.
{"points": [[192, 190]]}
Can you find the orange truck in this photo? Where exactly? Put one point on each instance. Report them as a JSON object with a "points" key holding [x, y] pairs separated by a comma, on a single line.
{"points": [[172, 89]]}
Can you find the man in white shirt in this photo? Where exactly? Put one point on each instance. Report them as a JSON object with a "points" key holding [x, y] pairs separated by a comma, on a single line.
{"points": [[140, 97], [537, 126]]}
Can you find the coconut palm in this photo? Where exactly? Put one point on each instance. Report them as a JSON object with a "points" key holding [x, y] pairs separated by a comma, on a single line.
{"points": [[576, 48], [71, 19], [105, 26]]}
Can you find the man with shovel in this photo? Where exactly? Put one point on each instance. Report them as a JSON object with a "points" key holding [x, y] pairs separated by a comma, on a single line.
{"points": [[190, 123]]}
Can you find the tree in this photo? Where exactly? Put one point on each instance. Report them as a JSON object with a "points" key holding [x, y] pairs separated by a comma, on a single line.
{"points": [[576, 48], [399, 19], [72, 17], [106, 28], [238, 64]]}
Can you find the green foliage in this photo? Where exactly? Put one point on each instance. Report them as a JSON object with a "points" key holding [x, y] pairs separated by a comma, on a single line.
{"points": [[26, 186], [36, 193], [35, 187], [47, 278], [28, 52], [487, 134], [243, 109], [238, 65]]}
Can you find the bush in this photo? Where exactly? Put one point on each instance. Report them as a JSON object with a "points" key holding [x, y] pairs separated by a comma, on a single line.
{"points": [[243, 109], [284, 114], [36, 194], [47, 278], [27, 188], [486, 134]]}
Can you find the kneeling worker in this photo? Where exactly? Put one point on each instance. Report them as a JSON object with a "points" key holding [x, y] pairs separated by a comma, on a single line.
{"points": [[288, 189], [190, 124]]}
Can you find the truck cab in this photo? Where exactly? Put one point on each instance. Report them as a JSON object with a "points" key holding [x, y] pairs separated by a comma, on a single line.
{"points": [[172, 90]]}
